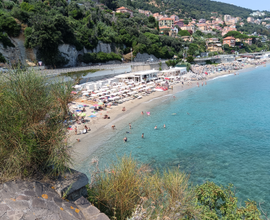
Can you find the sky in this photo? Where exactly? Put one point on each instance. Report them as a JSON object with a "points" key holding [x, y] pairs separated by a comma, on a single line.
{"points": [[250, 4]]}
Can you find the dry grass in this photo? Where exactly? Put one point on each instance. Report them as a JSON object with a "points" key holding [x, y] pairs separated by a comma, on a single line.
{"points": [[32, 132], [128, 186]]}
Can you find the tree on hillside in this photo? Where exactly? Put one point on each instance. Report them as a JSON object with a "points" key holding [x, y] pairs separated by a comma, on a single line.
{"points": [[183, 33]]}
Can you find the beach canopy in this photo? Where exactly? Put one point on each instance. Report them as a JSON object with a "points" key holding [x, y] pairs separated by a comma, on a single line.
{"points": [[100, 103], [92, 116], [83, 114], [95, 105]]}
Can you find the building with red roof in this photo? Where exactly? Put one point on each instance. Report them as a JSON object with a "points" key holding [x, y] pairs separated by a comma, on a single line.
{"points": [[230, 41], [124, 10]]}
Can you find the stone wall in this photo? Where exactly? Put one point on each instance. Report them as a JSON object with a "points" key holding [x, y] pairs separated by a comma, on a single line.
{"points": [[144, 57], [149, 67]]}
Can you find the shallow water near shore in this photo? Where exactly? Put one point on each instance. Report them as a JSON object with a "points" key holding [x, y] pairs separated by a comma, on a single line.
{"points": [[219, 132]]}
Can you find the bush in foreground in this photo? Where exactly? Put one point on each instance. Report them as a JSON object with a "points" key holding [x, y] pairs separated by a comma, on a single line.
{"points": [[32, 132], [128, 190]]}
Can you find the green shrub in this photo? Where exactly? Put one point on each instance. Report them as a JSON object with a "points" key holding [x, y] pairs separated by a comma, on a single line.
{"points": [[5, 40], [32, 132], [2, 58], [9, 25], [132, 191], [126, 184], [100, 57]]}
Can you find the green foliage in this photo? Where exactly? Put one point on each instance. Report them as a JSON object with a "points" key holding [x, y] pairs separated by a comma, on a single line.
{"points": [[32, 131], [100, 57], [129, 190], [193, 49], [2, 58], [4, 39], [172, 62], [236, 34], [9, 25], [126, 184], [183, 33], [190, 59], [218, 202]]}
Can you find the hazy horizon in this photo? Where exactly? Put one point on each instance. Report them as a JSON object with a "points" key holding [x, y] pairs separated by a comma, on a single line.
{"points": [[260, 4]]}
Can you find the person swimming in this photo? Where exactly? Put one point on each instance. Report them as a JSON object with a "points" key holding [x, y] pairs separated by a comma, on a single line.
{"points": [[164, 126], [142, 112], [125, 139], [155, 127], [142, 135]]}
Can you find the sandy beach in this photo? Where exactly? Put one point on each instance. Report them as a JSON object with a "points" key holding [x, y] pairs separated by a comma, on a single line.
{"points": [[101, 129]]}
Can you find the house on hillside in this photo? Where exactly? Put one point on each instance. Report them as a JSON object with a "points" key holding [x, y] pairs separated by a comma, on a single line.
{"points": [[124, 10], [166, 22], [248, 41], [175, 18], [189, 27], [230, 41], [187, 38], [250, 20], [213, 45], [147, 13], [180, 23]]}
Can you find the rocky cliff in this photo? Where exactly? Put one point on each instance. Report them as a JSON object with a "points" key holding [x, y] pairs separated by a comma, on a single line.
{"points": [[26, 56]]}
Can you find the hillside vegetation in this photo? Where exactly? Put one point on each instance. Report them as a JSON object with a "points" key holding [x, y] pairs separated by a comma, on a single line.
{"points": [[83, 24], [192, 8]]}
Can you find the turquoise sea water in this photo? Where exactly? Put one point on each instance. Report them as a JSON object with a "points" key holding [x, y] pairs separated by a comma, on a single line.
{"points": [[225, 138]]}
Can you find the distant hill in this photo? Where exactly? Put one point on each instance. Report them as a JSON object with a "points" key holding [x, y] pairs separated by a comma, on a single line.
{"points": [[191, 8]]}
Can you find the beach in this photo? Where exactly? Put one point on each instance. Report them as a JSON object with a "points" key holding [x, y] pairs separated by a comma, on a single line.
{"points": [[84, 145]]}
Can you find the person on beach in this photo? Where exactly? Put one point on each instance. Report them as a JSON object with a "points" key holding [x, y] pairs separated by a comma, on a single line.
{"points": [[78, 140], [75, 130], [142, 112], [202, 83], [164, 126], [113, 127], [198, 84], [129, 126], [125, 139], [155, 127], [205, 83], [142, 135], [124, 109]]}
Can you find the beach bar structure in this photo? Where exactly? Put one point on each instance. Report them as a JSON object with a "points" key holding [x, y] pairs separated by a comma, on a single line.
{"points": [[141, 76]]}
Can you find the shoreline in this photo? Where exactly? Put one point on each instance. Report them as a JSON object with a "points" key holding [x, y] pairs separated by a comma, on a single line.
{"points": [[101, 128]]}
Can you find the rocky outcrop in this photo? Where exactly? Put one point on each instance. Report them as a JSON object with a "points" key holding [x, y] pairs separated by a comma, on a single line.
{"points": [[29, 200], [18, 53], [71, 54], [27, 56]]}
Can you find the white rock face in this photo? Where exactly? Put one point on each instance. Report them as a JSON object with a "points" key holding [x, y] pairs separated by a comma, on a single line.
{"points": [[21, 54], [70, 52]]}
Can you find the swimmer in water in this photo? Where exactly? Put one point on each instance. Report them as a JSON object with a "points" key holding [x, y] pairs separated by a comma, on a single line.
{"points": [[125, 139], [164, 126], [127, 132], [188, 113], [129, 126], [155, 127], [113, 127], [142, 135], [174, 97], [142, 112]]}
